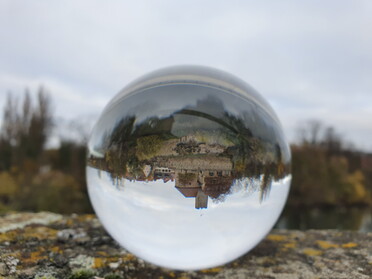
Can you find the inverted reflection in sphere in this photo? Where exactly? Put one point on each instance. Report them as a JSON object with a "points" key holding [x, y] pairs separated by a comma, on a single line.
{"points": [[188, 167]]}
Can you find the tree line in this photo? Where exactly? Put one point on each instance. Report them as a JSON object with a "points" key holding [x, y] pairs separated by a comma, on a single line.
{"points": [[33, 177], [326, 171]]}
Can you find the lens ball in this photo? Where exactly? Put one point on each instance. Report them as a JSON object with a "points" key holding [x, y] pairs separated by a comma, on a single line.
{"points": [[188, 167]]}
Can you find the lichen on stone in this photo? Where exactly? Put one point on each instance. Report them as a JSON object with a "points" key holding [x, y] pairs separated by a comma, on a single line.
{"points": [[51, 246]]}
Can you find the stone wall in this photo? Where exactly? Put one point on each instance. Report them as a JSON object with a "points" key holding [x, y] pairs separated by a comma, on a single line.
{"points": [[47, 245]]}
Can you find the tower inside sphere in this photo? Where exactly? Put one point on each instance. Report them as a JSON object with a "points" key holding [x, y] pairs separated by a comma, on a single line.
{"points": [[188, 167]]}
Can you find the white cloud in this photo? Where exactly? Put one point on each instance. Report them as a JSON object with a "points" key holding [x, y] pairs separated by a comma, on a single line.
{"points": [[310, 59]]}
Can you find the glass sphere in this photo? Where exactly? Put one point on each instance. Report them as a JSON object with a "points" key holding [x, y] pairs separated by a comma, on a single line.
{"points": [[188, 167]]}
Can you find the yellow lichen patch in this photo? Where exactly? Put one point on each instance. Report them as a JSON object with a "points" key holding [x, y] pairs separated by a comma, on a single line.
{"points": [[69, 222], [39, 233], [86, 217], [8, 236], [289, 245], [326, 245], [312, 252], [276, 237], [34, 257], [55, 249], [349, 245], [212, 270], [128, 257], [99, 262], [172, 274]]}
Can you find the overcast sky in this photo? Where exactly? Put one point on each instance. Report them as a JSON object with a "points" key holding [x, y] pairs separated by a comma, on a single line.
{"points": [[309, 59]]}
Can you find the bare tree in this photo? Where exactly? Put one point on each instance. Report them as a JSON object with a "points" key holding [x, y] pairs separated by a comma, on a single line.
{"points": [[25, 129], [310, 131], [314, 133], [9, 129], [41, 122], [332, 141]]}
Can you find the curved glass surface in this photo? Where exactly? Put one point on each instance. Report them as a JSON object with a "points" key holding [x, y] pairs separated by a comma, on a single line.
{"points": [[188, 167]]}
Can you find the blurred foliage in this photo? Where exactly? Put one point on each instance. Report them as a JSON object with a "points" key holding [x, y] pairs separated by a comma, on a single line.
{"points": [[148, 146], [52, 191], [326, 171], [33, 178]]}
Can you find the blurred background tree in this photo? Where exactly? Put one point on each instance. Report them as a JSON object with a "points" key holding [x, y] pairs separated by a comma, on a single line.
{"points": [[327, 171], [33, 177]]}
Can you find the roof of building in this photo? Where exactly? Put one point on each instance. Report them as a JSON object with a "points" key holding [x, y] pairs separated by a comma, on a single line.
{"points": [[188, 192]]}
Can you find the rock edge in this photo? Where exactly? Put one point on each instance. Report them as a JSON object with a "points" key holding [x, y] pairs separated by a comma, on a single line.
{"points": [[47, 245]]}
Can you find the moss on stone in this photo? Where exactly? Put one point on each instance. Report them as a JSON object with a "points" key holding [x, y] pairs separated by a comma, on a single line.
{"points": [[82, 274]]}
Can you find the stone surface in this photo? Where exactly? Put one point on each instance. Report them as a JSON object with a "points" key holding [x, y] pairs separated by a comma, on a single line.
{"points": [[47, 245]]}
